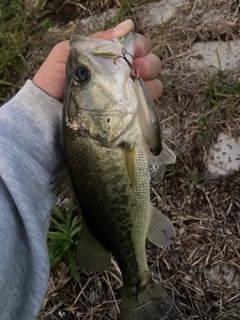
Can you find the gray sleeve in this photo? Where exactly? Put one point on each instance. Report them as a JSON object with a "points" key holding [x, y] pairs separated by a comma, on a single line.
{"points": [[30, 154]]}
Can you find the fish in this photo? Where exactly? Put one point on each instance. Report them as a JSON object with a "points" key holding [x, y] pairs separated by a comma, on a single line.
{"points": [[109, 165]]}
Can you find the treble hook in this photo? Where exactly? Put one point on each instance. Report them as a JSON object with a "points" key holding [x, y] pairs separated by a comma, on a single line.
{"points": [[135, 71]]}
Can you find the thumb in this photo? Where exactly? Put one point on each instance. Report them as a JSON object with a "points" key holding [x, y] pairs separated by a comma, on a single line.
{"points": [[118, 32]]}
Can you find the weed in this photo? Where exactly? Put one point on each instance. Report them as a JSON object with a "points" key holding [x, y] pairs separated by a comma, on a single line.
{"points": [[46, 24], [40, 6], [62, 239], [191, 178], [223, 91], [168, 84], [205, 131], [125, 7], [160, 52]]}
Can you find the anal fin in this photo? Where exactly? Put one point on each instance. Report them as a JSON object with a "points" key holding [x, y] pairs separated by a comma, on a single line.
{"points": [[91, 255], [160, 231]]}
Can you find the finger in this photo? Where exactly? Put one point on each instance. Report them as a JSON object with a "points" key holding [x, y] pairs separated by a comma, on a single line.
{"points": [[60, 52], [118, 32], [149, 66], [51, 76], [155, 88], [142, 46]]}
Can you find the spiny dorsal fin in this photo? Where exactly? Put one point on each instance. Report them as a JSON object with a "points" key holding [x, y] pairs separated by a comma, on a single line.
{"points": [[91, 255], [160, 231]]}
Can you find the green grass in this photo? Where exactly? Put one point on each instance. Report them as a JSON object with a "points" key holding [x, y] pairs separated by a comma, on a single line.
{"points": [[205, 131], [19, 25], [46, 24], [63, 236], [222, 88], [14, 42]]}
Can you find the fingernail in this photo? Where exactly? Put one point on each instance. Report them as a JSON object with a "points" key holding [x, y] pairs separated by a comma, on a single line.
{"points": [[127, 24]]}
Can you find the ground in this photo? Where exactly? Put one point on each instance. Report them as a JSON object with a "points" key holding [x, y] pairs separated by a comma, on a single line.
{"points": [[201, 270]]}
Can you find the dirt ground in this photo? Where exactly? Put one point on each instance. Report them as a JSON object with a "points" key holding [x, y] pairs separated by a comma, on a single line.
{"points": [[201, 270]]}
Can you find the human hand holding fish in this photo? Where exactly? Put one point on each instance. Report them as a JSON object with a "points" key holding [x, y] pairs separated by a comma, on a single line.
{"points": [[51, 77], [108, 145]]}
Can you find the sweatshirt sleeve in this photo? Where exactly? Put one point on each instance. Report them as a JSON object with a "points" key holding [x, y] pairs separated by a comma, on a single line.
{"points": [[31, 153]]}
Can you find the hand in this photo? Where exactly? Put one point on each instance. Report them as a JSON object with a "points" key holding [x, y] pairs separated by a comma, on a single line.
{"points": [[51, 76]]}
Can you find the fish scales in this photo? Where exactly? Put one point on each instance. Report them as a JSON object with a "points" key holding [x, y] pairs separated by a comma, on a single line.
{"points": [[109, 202], [107, 160]]}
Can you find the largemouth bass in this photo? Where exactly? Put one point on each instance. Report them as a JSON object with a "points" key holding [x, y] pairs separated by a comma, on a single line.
{"points": [[108, 160]]}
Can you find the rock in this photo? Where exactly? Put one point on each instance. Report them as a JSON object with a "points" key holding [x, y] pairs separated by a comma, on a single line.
{"points": [[206, 54], [156, 13], [224, 155], [224, 275], [97, 22]]}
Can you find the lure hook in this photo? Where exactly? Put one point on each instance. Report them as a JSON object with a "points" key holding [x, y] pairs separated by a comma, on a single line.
{"points": [[135, 71]]}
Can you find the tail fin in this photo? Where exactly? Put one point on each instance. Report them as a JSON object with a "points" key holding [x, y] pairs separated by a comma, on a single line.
{"points": [[150, 304]]}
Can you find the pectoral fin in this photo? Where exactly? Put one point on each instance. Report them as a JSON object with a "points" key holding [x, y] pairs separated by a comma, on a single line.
{"points": [[62, 184], [91, 255], [131, 165], [160, 231], [157, 175], [157, 164], [156, 168], [168, 155]]}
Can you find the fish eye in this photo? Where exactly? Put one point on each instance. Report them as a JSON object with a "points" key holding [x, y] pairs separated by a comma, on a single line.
{"points": [[82, 74]]}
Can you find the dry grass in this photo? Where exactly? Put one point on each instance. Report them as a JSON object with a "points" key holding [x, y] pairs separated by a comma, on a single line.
{"points": [[202, 269]]}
